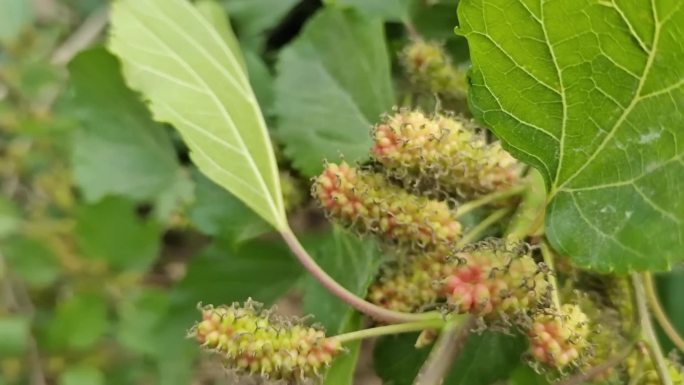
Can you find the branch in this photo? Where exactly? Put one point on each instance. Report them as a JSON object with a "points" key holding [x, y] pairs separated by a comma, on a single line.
{"points": [[445, 351], [85, 35], [648, 333], [374, 311], [659, 313]]}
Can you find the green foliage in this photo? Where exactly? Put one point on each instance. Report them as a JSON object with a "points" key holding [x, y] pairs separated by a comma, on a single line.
{"points": [[591, 99], [216, 212], [111, 232], [15, 334], [342, 59], [110, 237], [32, 261], [116, 136], [485, 359], [394, 10], [218, 115]]}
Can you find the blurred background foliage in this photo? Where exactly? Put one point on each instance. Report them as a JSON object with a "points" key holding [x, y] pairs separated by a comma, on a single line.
{"points": [[109, 237]]}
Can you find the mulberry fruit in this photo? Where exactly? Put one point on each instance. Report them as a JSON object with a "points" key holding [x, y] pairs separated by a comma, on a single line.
{"points": [[413, 285], [442, 153], [430, 69], [252, 341], [559, 340], [493, 277], [368, 203]]}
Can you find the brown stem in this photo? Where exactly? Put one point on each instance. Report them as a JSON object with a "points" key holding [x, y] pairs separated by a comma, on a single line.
{"points": [[445, 351], [374, 311]]}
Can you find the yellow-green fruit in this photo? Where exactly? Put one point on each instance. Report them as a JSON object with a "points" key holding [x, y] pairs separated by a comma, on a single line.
{"points": [[444, 153], [641, 371], [256, 342], [559, 340], [430, 69], [412, 286], [368, 203]]}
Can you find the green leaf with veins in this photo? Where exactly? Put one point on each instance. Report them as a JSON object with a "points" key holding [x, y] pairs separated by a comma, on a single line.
{"points": [[192, 79], [333, 83], [590, 93]]}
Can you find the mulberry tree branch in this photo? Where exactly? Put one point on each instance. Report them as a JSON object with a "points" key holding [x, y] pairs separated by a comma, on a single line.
{"points": [[374, 311]]}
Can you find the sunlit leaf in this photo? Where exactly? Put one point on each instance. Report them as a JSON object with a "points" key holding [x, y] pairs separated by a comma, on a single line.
{"points": [[192, 79]]}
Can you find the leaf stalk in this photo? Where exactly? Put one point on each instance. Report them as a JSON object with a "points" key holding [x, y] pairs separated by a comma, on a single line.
{"points": [[647, 332], [374, 311]]}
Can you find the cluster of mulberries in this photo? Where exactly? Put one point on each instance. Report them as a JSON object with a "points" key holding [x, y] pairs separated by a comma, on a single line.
{"points": [[488, 278], [559, 339], [252, 341], [444, 153], [368, 203], [495, 277], [430, 69]]}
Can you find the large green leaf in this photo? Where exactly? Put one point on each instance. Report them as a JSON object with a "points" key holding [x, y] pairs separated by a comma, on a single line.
{"points": [[591, 93], [182, 65], [333, 83], [118, 148]]}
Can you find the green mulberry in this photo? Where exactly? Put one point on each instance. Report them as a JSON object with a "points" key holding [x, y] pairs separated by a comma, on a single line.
{"points": [[368, 203], [252, 341], [443, 153]]}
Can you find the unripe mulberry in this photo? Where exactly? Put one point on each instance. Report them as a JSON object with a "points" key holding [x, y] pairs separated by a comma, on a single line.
{"points": [[493, 277], [443, 153], [252, 341], [558, 340], [411, 286], [642, 371], [430, 69], [368, 203]]}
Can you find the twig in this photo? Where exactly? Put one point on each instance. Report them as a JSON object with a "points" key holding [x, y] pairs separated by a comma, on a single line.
{"points": [[594, 371], [377, 312], [648, 334], [547, 254], [443, 354], [489, 198], [82, 37], [390, 329], [659, 313], [475, 232]]}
